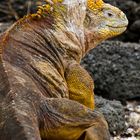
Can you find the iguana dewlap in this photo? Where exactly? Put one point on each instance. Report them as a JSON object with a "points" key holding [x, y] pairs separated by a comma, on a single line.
{"points": [[44, 92]]}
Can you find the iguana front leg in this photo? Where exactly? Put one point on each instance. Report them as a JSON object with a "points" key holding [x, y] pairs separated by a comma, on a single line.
{"points": [[64, 119], [80, 85]]}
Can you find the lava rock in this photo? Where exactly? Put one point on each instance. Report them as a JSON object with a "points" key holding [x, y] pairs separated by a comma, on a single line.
{"points": [[114, 114], [135, 26], [115, 68], [113, 2], [15, 9]]}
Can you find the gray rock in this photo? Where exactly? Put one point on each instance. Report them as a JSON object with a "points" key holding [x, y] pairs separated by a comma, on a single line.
{"points": [[114, 114], [115, 68], [135, 26]]}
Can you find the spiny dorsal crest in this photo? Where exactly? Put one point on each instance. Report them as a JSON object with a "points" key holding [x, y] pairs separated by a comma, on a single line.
{"points": [[95, 4], [48, 7]]}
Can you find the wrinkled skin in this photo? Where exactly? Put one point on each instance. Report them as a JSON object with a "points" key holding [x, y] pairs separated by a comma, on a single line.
{"points": [[45, 93]]}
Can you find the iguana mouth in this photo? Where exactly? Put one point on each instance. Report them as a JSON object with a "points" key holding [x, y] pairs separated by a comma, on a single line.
{"points": [[119, 27]]}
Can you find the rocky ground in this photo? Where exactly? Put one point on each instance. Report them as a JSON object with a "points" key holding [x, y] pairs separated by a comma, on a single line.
{"points": [[132, 116], [114, 66]]}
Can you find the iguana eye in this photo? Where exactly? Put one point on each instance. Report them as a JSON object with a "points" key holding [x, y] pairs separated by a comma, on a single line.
{"points": [[108, 13]]}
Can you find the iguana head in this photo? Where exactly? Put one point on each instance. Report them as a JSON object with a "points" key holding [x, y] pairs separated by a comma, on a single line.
{"points": [[103, 21]]}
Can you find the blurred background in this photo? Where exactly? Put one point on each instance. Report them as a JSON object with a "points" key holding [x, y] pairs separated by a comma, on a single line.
{"points": [[114, 65]]}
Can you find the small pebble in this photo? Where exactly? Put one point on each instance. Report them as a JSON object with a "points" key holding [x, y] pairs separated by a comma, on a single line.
{"points": [[131, 138], [130, 131], [134, 119], [138, 131], [137, 109], [130, 107], [119, 138]]}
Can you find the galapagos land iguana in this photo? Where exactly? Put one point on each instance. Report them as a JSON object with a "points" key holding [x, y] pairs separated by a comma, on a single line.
{"points": [[44, 92]]}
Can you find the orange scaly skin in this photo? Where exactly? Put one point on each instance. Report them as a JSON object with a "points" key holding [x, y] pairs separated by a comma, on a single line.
{"points": [[45, 93]]}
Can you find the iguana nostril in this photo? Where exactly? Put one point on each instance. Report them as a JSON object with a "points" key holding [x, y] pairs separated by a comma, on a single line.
{"points": [[125, 20], [122, 15]]}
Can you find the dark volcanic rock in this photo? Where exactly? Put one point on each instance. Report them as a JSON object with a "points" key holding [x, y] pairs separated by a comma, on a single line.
{"points": [[135, 26], [114, 114], [15, 9], [115, 68]]}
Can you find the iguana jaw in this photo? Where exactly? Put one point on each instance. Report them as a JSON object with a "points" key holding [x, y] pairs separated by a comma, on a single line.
{"points": [[117, 30]]}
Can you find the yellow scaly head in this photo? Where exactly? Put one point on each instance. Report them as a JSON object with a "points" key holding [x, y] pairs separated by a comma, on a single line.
{"points": [[103, 21]]}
